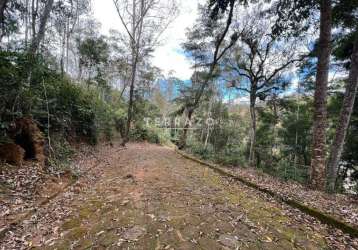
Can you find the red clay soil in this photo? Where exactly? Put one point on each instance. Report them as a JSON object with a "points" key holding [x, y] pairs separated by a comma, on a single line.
{"points": [[148, 197], [12, 154], [28, 143]]}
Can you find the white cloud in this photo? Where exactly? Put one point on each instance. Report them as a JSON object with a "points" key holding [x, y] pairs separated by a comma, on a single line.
{"points": [[168, 56], [105, 12], [242, 100]]}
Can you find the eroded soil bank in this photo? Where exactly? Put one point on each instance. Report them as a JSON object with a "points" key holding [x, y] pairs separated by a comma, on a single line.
{"points": [[148, 197]]}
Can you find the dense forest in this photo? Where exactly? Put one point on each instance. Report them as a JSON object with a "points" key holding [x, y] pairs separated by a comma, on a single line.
{"points": [[273, 87]]}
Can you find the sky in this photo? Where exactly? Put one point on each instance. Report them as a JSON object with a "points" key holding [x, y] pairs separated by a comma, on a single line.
{"points": [[168, 56]]}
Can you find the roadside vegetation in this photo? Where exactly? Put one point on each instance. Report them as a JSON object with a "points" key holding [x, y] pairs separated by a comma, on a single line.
{"points": [[273, 86], [271, 99]]}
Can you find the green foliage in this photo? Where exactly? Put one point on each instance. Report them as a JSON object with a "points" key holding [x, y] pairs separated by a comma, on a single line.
{"points": [[220, 132], [283, 137], [17, 89], [151, 135], [93, 51], [94, 57], [344, 13], [296, 129], [225, 139], [73, 110], [60, 155], [344, 17], [349, 157], [266, 137], [143, 131], [294, 17], [142, 134], [196, 147], [231, 155], [12, 15], [288, 171]]}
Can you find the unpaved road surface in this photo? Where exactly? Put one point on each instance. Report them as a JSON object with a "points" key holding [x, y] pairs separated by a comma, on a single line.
{"points": [[148, 197]]}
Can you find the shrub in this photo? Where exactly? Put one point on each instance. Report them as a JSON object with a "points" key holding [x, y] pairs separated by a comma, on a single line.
{"points": [[161, 136], [73, 110], [199, 149], [150, 134], [288, 171], [60, 155]]}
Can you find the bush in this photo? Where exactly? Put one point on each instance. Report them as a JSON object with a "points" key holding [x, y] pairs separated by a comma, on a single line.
{"points": [[162, 135], [60, 155], [73, 110], [230, 159], [151, 135], [287, 171], [197, 148]]}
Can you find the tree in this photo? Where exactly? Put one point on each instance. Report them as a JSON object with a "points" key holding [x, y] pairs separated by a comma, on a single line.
{"points": [[94, 53], [66, 15], [257, 65], [318, 161], [144, 22], [119, 64], [295, 132], [40, 82], [294, 18], [349, 155], [344, 14], [37, 38], [208, 58], [11, 13], [2, 15]]}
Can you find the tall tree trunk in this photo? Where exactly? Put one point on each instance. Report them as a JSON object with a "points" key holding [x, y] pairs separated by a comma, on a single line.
{"points": [[34, 10], [80, 70], [2, 9], [68, 34], [3, 4], [207, 137], [63, 47], [184, 135], [343, 123], [275, 131], [296, 136], [131, 97], [2, 17], [208, 125], [253, 125], [318, 162], [135, 44], [252, 136], [202, 134], [42, 28], [26, 23]]}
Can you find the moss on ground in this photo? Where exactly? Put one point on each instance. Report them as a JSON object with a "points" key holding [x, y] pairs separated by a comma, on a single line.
{"points": [[262, 212], [189, 207]]}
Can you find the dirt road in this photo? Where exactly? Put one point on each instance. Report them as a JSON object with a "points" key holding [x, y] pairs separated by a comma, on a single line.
{"points": [[148, 197]]}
